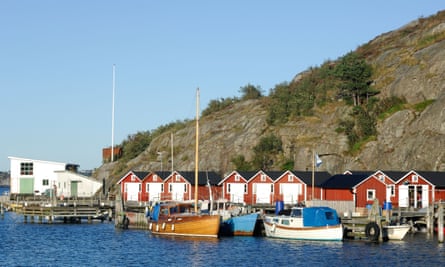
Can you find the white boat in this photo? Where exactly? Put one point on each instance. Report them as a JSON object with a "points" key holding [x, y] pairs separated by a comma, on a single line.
{"points": [[305, 223], [396, 232]]}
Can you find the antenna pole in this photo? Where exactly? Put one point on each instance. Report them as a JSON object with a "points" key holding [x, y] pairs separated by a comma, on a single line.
{"points": [[112, 118]]}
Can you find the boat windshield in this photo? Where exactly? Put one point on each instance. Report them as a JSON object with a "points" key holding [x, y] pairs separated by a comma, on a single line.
{"points": [[296, 213], [329, 215]]}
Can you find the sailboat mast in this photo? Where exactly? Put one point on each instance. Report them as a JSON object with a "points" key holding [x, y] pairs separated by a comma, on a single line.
{"points": [[172, 150], [196, 150]]}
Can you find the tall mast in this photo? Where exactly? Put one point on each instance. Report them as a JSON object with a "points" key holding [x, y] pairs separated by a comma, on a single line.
{"points": [[313, 174], [172, 143], [112, 119], [196, 150]]}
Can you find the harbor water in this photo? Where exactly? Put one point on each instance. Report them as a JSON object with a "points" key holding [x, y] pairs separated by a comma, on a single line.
{"points": [[101, 244]]}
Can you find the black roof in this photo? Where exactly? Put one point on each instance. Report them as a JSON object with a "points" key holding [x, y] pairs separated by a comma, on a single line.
{"points": [[319, 177], [163, 174], [436, 178], [394, 175], [344, 181], [140, 174], [212, 176], [274, 175], [247, 174]]}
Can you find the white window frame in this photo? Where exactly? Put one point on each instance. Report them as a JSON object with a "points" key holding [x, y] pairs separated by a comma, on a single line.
{"points": [[393, 190], [263, 178], [415, 178], [381, 177], [372, 192], [237, 178]]}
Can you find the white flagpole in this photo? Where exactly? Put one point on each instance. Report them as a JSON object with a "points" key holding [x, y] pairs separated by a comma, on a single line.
{"points": [[172, 150], [112, 119]]}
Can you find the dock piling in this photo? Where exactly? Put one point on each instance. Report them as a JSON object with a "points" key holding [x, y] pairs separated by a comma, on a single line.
{"points": [[440, 223]]}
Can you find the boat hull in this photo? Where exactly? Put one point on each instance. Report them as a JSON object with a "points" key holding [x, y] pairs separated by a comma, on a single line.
{"points": [[187, 225], [396, 232], [241, 225], [311, 223], [324, 233]]}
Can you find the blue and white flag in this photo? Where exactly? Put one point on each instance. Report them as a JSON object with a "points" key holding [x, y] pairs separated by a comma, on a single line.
{"points": [[318, 160]]}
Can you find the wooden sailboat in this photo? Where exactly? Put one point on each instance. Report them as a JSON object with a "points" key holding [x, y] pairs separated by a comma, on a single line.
{"points": [[183, 219]]}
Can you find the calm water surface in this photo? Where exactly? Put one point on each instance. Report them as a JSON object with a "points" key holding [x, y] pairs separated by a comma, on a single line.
{"points": [[100, 244]]}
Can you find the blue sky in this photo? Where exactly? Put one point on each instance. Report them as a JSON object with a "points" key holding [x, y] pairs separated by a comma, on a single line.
{"points": [[56, 61]]}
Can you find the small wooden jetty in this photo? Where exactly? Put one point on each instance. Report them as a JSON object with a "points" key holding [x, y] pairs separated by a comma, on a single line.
{"points": [[66, 210], [369, 224], [130, 215]]}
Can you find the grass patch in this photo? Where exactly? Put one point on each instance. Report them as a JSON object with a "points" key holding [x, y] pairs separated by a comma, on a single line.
{"points": [[419, 107]]}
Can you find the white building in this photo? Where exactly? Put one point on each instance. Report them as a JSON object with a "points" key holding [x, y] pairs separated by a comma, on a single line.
{"points": [[29, 176]]}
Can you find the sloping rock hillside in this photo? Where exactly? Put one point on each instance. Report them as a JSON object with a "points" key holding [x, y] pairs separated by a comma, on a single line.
{"points": [[408, 62]]}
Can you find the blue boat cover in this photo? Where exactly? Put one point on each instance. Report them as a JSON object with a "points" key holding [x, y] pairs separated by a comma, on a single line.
{"points": [[155, 212], [320, 216]]}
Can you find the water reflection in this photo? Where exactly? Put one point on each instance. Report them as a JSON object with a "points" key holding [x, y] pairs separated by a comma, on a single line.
{"points": [[100, 244]]}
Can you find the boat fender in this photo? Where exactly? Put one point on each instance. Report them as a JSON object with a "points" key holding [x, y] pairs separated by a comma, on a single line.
{"points": [[126, 222], [273, 227], [173, 227], [163, 226], [372, 231], [150, 226], [157, 227]]}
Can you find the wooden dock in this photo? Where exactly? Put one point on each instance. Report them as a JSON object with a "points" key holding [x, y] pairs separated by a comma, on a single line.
{"points": [[66, 211]]}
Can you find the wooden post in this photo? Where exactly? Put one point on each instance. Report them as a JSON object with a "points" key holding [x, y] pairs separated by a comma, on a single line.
{"points": [[440, 223], [430, 220]]}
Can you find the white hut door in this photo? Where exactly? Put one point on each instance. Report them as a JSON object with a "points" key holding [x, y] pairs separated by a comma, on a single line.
{"points": [[403, 196], [263, 192], [155, 190], [425, 198], [178, 190], [236, 193], [290, 192], [132, 191]]}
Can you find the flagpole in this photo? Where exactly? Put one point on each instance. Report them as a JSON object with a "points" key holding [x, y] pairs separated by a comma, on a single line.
{"points": [[313, 173], [112, 117]]}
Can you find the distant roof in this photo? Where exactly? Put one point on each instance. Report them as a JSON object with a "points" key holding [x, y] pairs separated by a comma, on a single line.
{"points": [[319, 177], [163, 174], [436, 178], [141, 174], [247, 174], [344, 181], [212, 177]]}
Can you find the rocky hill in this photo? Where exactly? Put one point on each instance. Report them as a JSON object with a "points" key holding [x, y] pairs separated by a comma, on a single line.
{"points": [[407, 62]]}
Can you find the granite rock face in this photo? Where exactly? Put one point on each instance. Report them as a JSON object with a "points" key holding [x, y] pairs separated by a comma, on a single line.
{"points": [[408, 62]]}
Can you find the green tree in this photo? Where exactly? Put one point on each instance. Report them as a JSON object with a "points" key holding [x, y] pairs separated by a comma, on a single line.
{"points": [[250, 92], [241, 164], [135, 144], [355, 75], [266, 151]]}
